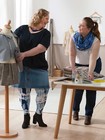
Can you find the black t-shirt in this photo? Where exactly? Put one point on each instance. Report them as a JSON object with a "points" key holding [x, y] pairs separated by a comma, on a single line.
{"points": [[30, 40]]}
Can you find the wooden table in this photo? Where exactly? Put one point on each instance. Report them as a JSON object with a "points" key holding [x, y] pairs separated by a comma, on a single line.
{"points": [[66, 84]]}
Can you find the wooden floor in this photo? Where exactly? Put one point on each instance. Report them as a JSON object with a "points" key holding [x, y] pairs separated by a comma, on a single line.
{"points": [[76, 131]]}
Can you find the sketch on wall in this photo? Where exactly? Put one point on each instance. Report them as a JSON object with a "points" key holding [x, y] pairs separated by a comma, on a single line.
{"points": [[96, 17]]}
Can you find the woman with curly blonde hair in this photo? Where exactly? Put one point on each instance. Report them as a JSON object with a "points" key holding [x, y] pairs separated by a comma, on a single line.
{"points": [[34, 42]]}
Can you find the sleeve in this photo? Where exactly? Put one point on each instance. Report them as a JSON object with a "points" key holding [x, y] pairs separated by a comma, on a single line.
{"points": [[19, 30], [45, 41]]}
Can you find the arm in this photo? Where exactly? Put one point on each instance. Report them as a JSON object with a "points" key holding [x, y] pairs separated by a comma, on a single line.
{"points": [[93, 58], [37, 50], [72, 54]]}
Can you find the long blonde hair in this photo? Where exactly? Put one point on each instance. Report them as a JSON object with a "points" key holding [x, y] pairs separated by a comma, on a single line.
{"points": [[36, 19]]}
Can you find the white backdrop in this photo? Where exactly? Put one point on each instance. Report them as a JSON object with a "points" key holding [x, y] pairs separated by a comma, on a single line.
{"points": [[64, 13], [69, 12], [19, 11]]}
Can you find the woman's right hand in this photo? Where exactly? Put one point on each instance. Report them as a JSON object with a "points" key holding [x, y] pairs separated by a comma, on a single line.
{"points": [[21, 57], [74, 69]]}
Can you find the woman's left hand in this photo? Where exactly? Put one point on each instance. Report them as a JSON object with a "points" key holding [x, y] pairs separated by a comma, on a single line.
{"points": [[91, 76]]}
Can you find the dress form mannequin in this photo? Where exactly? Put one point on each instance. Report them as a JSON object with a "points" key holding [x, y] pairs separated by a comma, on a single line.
{"points": [[8, 64], [7, 29], [8, 72], [66, 41]]}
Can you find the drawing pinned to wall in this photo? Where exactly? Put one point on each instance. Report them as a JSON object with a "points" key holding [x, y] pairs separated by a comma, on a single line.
{"points": [[66, 41], [96, 17]]}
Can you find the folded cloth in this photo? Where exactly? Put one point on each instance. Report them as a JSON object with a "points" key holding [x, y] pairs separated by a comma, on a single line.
{"points": [[67, 71]]}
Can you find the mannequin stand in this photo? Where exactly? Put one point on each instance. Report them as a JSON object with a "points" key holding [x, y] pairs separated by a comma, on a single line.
{"points": [[7, 133]]}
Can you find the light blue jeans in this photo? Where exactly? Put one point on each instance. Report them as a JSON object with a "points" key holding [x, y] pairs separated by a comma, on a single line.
{"points": [[40, 99]]}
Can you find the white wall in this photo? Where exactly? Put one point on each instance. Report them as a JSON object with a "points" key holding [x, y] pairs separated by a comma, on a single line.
{"points": [[70, 12], [64, 13], [26, 9], [19, 11]]}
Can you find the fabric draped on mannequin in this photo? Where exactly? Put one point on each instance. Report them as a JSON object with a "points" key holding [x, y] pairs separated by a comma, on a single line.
{"points": [[8, 65]]}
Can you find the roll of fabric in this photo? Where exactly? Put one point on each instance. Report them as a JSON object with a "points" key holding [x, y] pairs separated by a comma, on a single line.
{"points": [[83, 71]]}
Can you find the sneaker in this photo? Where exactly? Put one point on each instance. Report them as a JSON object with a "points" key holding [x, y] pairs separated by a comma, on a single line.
{"points": [[87, 120], [75, 116]]}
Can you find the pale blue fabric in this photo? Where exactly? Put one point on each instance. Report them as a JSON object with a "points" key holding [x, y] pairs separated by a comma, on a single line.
{"points": [[7, 47]]}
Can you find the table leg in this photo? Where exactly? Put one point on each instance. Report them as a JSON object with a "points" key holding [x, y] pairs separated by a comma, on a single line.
{"points": [[71, 104], [60, 109], [7, 134]]}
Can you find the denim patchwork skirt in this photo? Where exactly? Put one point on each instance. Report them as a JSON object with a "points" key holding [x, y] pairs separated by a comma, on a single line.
{"points": [[33, 78]]}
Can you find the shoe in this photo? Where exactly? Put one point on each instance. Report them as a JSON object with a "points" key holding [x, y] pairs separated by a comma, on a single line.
{"points": [[87, 120], [75, 116], [37, 118], [26, 121]]}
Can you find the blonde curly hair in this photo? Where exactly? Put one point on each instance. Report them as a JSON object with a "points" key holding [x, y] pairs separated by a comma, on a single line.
{"points": [[36, 19]]}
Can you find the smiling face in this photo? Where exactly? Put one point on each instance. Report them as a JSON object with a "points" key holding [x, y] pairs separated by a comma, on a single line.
{"points": [[40, 19], [83, 29]]}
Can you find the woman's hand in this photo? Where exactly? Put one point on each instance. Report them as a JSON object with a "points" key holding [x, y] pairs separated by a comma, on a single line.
{"points": [[21, 57], [91, 76]]}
